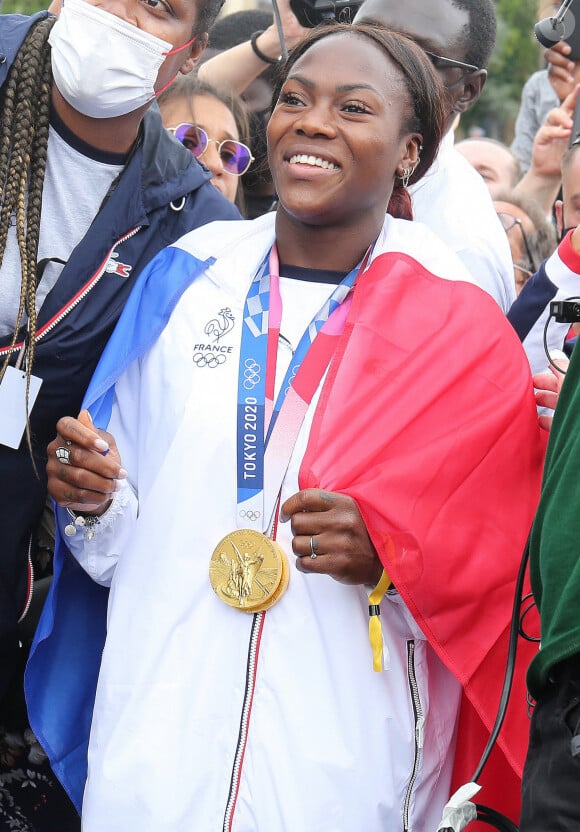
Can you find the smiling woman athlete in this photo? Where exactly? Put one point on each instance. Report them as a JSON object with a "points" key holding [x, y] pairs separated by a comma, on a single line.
{"points": [[322, 387]]}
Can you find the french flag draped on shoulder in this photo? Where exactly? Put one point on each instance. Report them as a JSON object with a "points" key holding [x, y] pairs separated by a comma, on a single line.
{"points": [[440, 446]]}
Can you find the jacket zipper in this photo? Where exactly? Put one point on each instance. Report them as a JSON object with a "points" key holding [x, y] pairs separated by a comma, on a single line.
{"points": [[54, 321], [81, 295], [30, 582], [251, 671], [419, 723]]}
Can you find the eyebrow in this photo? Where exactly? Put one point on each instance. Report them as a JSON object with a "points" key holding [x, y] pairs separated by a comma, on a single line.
{"points": [[489, 171], [354, 87], [342, 88], [227, 133]]}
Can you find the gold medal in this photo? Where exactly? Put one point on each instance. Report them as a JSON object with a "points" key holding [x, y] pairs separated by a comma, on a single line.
{"points": [[249, 571]]}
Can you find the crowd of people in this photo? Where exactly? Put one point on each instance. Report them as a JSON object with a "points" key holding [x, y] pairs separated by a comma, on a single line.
{"points": [[280, 360]]}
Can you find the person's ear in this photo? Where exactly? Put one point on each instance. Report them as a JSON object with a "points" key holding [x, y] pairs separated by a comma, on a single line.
{"points": [[195, 54], [471, 90], [410, 158]]}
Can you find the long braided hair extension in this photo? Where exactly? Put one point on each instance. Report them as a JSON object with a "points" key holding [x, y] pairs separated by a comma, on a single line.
{"points": [[24, 124]]}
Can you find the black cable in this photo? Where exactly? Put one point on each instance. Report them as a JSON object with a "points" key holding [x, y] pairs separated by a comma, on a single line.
{"points": [[278, 19], [561, 320], [511, 660], [547, 351], [491, 818], [484, 813], [531, 605], [495, 819]]}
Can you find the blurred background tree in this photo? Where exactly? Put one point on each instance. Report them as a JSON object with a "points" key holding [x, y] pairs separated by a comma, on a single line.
{"points": [[516, 56]]}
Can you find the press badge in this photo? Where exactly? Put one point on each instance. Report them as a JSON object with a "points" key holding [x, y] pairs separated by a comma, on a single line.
{"points": [[13, 405]]}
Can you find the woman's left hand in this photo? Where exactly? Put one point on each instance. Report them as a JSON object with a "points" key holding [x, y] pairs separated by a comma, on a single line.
{"points": [[330, 537]]}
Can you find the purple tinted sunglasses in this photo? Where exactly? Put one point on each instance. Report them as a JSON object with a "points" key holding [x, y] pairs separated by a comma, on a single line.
{"points": [[235, 157]]}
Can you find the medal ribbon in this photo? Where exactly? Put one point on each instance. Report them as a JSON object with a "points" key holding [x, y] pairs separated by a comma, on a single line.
{"points": [[267, 429]]}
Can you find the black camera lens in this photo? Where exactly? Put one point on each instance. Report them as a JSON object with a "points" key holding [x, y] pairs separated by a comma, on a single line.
{"points": [[312, 12]]}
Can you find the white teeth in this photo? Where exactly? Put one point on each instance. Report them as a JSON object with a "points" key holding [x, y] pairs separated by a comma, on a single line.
{"points": [[316, 161]]}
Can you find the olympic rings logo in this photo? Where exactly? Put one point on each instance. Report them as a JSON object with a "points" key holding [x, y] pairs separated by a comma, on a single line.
{"points": [[251, 373], [208, 359], [250, 515], [291, 378]]}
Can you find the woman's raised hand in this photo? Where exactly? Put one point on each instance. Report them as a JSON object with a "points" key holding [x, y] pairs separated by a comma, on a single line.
{"points": [[83, 465]]}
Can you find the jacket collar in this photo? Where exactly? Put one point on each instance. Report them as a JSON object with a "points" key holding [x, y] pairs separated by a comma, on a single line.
{"points": [[13, 30], [168, 170]]}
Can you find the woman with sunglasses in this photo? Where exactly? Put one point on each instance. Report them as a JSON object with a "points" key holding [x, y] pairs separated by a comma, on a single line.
{"points": [[213, 125], [305, 412]]}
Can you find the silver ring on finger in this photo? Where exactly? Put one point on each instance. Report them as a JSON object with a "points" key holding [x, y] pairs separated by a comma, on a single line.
{"points": [[63, 455], [313, 548]]}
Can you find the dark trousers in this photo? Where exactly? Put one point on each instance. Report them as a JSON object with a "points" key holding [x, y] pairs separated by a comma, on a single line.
{"points": [[551, 782]]}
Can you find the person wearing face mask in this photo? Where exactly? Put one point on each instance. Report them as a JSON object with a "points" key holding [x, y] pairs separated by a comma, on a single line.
{"points": [[93, 188]]}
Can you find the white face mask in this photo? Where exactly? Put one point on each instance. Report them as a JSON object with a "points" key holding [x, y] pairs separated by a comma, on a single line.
{"points": [[103, 66]]}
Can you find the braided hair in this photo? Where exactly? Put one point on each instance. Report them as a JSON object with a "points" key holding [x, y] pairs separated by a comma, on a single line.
{"points": [[24, 125]]}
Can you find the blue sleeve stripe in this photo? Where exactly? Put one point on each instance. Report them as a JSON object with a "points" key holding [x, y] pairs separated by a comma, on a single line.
{"points": [[531, 303], [144, 317]]}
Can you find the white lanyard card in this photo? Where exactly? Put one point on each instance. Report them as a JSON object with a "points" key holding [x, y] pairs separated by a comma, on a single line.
{"points": [[13, 405]]}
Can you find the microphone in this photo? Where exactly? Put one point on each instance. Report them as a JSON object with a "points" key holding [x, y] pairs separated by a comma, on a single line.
{"points": [[551, 30]]}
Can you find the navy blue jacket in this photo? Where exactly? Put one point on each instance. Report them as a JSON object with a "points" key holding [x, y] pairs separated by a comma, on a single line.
{"points": [[162, 193]]}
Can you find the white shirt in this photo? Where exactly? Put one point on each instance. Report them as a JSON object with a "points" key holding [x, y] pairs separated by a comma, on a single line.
{"points": [[454, 202], [74, 187]]}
